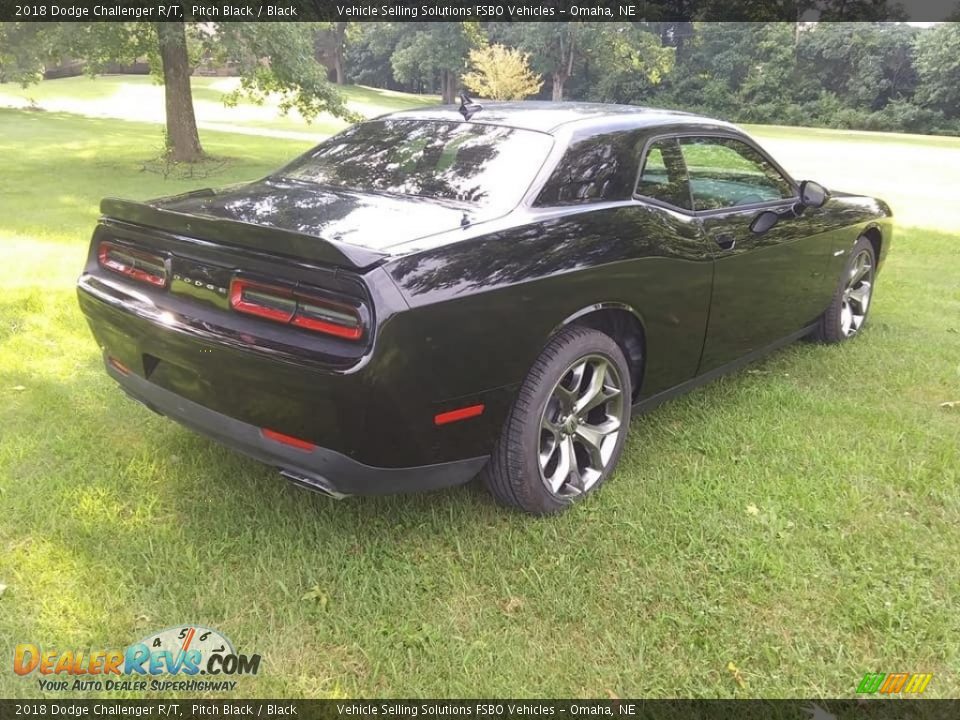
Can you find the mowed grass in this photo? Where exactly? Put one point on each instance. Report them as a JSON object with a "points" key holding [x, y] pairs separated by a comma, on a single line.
{"points": [[798, 519], [139, 97]]}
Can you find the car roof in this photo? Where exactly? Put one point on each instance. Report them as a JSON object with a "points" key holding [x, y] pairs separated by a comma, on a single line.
{"points": [[550, 117]]}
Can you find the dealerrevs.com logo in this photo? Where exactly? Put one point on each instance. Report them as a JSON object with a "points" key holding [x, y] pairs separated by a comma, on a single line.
{"points": [[189, 658]]}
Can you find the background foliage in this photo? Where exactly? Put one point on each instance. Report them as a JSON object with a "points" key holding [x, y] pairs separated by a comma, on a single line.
{"points": [[870, 76], [866, 75]]}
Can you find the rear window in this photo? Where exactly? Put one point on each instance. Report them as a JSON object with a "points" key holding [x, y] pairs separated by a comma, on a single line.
{"points": [[597, 169], [484, 165]]}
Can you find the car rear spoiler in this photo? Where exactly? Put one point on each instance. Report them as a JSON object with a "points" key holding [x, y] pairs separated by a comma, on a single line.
{"points": [[223, 231]]}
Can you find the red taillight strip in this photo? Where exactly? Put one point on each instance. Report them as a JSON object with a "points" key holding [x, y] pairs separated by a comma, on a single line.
{"points": [[287, 439], [237, 301], [106, 250], [299, 314], [330, 328], [459, 414]]}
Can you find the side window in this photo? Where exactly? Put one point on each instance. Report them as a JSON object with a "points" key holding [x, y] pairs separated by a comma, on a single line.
{"points": [[597, 169], [725, 173], [663, 176]]}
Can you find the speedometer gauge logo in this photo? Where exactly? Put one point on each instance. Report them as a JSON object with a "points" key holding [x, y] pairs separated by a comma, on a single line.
{"points": [[187, 651]]}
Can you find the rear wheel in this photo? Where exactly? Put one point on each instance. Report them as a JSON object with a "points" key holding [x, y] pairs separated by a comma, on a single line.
{"points": [[847, 313], [566, 430]]}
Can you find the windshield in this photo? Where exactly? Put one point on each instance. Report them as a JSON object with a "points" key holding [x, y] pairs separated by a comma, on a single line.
{"points": [[483, 165]]}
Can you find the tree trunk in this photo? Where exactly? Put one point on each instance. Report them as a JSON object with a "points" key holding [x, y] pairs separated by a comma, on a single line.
{"points": [[448, 86], [183, 142], [339, 37], [558, 80], [454, 86]]}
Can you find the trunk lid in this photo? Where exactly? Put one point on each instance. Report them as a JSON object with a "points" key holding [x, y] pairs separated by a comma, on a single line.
{"points": [[302, 219]]}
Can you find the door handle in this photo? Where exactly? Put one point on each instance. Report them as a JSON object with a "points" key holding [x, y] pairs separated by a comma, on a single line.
{"points": [[726, 240]]}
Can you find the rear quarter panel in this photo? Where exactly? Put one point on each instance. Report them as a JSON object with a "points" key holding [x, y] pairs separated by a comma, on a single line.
{"points": [[482, 309]]}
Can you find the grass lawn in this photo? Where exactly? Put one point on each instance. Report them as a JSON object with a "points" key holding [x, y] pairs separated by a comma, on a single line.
{"points": [[798, 519], [138, 97]]}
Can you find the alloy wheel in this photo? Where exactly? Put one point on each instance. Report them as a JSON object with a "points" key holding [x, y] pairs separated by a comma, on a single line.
{"points": [[856, 295], [580, 426]]}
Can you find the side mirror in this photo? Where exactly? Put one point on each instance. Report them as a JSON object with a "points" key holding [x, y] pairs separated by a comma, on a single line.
{"points": [[764, 221], [813, 194]]}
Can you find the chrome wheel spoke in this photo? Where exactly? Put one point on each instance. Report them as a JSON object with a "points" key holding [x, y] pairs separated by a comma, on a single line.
{"points": [[592, 439], [575, 482], [860, 296], [846, 319], [567, 461], [599, 391], [548, 449], [568, 390], [860, 271], [594, 388]]}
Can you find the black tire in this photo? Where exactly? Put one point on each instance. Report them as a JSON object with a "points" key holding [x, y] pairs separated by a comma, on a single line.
{"points": [[514, 475], [833, 325]]}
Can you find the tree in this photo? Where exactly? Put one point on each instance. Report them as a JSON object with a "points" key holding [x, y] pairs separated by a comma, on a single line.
{"points": [[737, 70], [500, 73], [434, 55], [627, 66], [182, 139], [938, 67], [331, 47], [271, 57], [369, 51], [339, 43], [868, 64], [555, 49]]}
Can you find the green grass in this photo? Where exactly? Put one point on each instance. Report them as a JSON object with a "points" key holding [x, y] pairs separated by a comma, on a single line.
{"points": [[797, 519], [138, 97]]}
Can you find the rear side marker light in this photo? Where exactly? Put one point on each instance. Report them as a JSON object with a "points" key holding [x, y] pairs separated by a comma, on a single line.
{"points": [[463, 413], [287, 440], [118, 366], [136, 264], [297, 308]]}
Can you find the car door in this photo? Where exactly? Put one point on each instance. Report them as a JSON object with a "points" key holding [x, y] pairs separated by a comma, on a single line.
{"points": [[768, 285], [674, 284]]}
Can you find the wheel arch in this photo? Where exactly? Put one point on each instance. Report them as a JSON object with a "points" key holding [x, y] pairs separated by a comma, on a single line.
{"points": [[874, 234], [624, 325]]}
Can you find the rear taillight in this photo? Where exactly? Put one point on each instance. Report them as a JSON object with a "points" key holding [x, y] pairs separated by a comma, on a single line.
{"points": [[135, 264], [296, 307]]}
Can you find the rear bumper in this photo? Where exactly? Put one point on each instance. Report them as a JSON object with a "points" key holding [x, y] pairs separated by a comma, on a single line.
{"points": [[377, 412], [319, 469]]}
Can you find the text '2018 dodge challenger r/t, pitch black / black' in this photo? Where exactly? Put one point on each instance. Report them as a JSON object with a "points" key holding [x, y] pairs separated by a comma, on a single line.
{"points": [[437, 294]]}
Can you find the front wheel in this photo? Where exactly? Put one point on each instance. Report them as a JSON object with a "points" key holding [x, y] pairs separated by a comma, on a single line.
{"points": [[847, 313], [566, 430]]}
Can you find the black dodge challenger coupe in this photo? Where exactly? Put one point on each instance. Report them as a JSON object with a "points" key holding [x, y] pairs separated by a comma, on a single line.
{"points": [[438, 293]]}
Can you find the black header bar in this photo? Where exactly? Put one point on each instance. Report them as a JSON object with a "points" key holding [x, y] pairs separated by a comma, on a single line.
{"points": [[477, 10]]}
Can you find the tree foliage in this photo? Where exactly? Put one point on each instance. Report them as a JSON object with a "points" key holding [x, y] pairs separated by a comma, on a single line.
{"points": [[628, 60], [938, 68], [501, 73], [556, 50], [434, 55]]}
